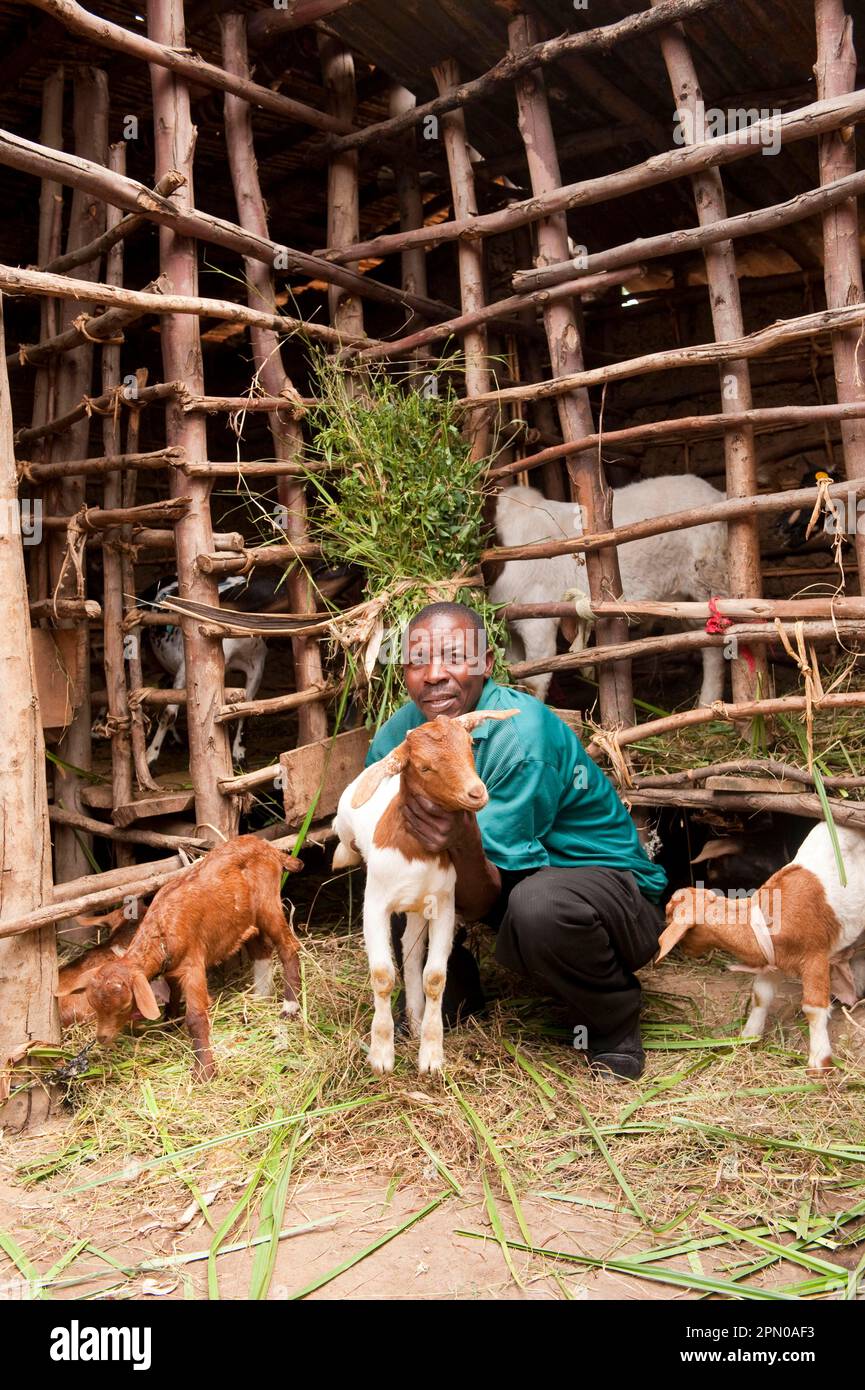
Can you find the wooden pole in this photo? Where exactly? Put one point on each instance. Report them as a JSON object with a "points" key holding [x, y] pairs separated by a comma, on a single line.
{"points": [[268, 24], [62, 423], [543, 413], [566, 358], [28, 967], [16, 280], [748, 634], [687, 240], [732, 714], [50, 240], [470, 256], [157, 460], [791, 804], [179, 60], [107, 328], [765, 767], [410, 201], [756, 344], [174, 139], [112, 568], [52, 264], [50, 231], [286, 434], [18, 153], [737, 610], [123, 839], [523, 305], [743, 551], [731, 508], [133, 672], [688, 426], [343, 193], [603, 39], [74, 375], [102, 890], [835, 70], [801, 124]]}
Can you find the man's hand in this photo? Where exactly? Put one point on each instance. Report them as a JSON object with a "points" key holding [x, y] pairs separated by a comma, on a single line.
{"points": [[435, 828], [457, 833]]}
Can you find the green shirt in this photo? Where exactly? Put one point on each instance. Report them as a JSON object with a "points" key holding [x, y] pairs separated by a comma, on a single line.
{"points": [[550, 804]]}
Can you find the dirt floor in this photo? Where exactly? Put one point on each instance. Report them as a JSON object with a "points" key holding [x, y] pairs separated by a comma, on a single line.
{"points": [[96, 1203]]}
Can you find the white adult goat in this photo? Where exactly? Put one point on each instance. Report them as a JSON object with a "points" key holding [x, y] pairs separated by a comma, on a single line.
{"points": [[689, 564]]}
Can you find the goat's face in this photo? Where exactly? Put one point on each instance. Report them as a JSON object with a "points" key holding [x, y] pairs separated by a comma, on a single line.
{"points": [[440, 766], [109, 994], [693, 915], [115, 992]]}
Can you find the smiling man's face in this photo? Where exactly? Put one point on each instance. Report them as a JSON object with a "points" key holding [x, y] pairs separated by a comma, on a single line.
{"points": [[448, 661]]}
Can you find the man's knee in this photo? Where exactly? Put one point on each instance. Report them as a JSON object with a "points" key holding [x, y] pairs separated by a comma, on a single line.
{"points": [[534, 924], [522, 903]]}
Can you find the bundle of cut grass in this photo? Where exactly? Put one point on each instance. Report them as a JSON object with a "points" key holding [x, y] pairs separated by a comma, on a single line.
{"points": [[405, 505]]}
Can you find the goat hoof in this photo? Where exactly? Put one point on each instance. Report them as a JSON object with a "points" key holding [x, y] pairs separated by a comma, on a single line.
{"points": [[431, 1060], [820, 1068], [381, 1059], [290, 1008]]}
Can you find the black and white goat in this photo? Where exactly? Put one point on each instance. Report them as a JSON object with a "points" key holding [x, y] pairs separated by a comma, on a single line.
{"points": [[262, 592], [246, 654]]}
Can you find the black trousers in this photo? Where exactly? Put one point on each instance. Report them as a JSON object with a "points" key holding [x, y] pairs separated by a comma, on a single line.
{"points": [[576, 935]]}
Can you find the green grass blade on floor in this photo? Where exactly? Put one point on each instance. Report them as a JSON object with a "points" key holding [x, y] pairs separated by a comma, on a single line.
{"points": [[682, 1279], [368, 1250], [25, 1266], [486, 1142], [242, 1207], [152, 1110], [270, 1221], [437, 1162]]}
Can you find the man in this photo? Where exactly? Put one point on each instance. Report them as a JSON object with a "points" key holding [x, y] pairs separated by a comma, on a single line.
{"points": [[553, 859]]}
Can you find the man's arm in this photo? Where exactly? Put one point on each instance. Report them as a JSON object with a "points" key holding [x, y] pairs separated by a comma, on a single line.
{"points": [[478, 881]]}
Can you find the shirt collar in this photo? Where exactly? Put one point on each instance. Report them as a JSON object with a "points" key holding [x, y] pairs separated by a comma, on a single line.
{"points": [[486, 701]]}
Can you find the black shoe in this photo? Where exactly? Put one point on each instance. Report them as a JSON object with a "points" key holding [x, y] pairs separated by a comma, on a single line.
{"points": [[463, 995], [625, 1061]]}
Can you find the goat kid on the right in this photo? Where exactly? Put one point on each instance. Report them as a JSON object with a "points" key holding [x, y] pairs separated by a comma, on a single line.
{"points": [[803, 922]]}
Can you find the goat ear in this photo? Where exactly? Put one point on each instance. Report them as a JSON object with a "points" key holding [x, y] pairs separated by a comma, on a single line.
{"points": [[720, 849], [77, 986], [371, 778], [478, 716], [670, 937], [144, 997]]}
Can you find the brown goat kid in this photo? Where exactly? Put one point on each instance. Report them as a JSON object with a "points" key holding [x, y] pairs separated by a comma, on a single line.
{"points": [[805, 921], [196, 921], [71, 998]]}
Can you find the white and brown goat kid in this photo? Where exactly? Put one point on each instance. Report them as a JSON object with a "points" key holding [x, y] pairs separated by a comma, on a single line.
{"points": [[435, 761], [803, 922]]}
